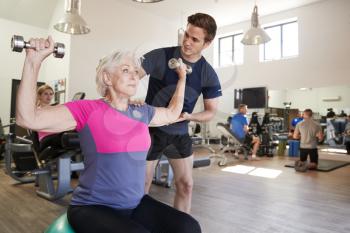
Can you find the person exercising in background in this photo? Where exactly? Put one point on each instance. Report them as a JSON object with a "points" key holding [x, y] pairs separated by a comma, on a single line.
{"points": [[173, 140], [342, 114], [239, 128], [308, 131], [254, 124], [330, 113], [293, 123], [44, 96], [347, 136], [296, 120]]}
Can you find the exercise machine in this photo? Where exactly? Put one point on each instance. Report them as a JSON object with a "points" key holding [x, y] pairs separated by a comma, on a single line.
{"points": [[233, 144], [47, 168], [20, 161]]}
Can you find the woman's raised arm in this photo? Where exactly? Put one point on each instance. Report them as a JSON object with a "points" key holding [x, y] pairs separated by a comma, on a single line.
{"points": [[50, 119], [170, 114]]}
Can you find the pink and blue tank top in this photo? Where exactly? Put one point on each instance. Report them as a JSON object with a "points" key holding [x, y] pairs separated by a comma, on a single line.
{"points": [[114, 146]]}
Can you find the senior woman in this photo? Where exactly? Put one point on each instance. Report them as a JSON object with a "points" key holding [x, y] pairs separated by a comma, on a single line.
{"points": [[114, 139]]}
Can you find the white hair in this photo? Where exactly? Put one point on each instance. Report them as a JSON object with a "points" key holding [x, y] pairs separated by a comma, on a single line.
{"points": [[108, 63]]}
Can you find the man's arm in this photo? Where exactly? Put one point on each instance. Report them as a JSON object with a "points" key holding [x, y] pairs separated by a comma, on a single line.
{"points": [[296, 134], [169, 114], [210, 108], [246, 128], [50, 119]]}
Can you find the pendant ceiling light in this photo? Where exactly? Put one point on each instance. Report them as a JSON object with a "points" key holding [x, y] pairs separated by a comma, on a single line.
{"points": [[72, 22], [255, 35], [148, 1]]}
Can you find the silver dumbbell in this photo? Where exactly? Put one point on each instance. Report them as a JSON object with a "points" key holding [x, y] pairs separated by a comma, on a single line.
{"points": [[18, 44], [174, 63]]}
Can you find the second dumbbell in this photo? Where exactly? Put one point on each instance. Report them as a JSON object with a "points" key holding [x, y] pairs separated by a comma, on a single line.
{"points": [[18, 44], [174, 63]]}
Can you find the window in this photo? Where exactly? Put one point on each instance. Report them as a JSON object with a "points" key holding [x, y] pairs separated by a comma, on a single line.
{"points": [[283, 44], [230, 50]]}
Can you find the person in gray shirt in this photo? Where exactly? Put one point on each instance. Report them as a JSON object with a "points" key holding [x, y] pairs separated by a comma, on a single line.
{"points": [[309, 132], [347, 136]]}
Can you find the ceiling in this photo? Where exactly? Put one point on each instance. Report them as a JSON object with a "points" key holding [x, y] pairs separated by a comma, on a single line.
{"points": [[224, 11], [28, 11]]}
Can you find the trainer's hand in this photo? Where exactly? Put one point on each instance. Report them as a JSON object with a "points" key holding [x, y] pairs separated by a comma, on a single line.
{"points": [[185, 116], [136, 102]]}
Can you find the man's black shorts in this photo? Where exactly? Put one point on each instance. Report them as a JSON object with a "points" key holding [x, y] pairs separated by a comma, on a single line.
{"points": [[304, 152], [172, 146]]}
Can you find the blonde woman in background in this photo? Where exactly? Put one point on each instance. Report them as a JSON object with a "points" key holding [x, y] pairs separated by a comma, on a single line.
{"points": [[44, 96]]}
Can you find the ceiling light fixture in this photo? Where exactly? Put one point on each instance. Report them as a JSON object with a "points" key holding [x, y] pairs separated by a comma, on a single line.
{"points": [[305, 89], [72, 22], [255, 35]]}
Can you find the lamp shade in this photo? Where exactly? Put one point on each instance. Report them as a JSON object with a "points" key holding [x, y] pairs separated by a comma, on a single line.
{"points": [[255, 35], [72, 22]]}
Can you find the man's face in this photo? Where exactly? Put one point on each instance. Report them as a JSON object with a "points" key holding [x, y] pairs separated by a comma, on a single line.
{"points": [[305, 115], [244, 110], [194, 41]]}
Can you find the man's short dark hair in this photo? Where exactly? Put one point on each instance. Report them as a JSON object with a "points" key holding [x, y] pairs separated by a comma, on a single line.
{"points": [[242, 106], [308, 112], [205, 22]]}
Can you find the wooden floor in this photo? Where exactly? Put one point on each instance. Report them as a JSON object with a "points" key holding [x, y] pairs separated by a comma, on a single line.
{"points": [[223, 202]]}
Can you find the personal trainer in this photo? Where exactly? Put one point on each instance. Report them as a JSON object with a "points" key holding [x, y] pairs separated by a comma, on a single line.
{"points": [[173, 140]]}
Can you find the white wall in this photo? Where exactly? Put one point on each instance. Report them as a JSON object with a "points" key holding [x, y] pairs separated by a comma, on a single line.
{"points": [[114, 26], [12, 62], [276, 98], [58, 68], [313, 99], [324, 29], [323, 50]]}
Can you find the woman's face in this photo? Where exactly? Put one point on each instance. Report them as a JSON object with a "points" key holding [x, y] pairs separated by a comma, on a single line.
{"points": [[125, 78], [46, 97]]}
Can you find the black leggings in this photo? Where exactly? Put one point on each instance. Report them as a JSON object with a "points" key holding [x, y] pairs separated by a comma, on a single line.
{"points": [[53, 140], [150, 216]]}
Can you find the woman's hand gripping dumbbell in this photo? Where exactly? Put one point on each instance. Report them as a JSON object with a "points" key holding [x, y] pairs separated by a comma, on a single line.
{"points": [[18, 44], [175, 63]]}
